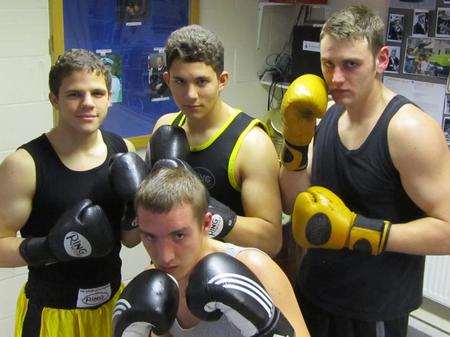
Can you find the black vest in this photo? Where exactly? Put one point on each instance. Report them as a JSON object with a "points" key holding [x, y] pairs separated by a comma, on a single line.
{"points": [[350, 283], [57, 189], [214, 161]]}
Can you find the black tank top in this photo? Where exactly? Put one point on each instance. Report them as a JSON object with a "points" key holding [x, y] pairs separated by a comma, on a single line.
{"points": [[349, 283], [215, 160], [59, 188]]}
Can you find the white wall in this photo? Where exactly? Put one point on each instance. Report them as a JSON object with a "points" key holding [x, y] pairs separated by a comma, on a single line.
{"points": [[24, 108]]}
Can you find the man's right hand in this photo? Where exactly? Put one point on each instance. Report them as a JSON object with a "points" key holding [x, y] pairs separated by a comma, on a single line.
{"points": [[168, 142], [305, 100], [82, 231], [148, 303]]}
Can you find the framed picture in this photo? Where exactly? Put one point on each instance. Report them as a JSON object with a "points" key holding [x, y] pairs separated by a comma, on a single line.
{"points": [[129, 37], [443, 22], [427, 56], [394, 59], [421, 23], [396, 27]]}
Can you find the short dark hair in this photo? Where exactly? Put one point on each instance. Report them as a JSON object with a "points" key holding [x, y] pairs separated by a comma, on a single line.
{"points": [[354, 22], [195, 44], [76, 60], [168, 187]]}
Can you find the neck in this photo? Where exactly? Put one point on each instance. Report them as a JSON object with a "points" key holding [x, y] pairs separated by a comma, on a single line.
{"points": [[218, 115], [70, 141], [370, 105]]}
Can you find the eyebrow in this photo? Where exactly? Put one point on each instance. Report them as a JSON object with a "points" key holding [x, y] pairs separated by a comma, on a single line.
{"points": [[185, 228]]}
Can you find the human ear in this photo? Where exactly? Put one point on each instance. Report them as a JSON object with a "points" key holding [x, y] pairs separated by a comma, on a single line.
{"points": [[53, 100], [166, 77], [207, 221], [382, 59], [223, 80]]}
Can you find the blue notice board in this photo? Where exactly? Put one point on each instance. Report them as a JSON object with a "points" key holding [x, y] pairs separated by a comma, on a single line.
{"points": [[129, 37]]}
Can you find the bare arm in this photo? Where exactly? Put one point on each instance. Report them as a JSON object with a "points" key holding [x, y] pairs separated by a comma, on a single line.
{"points": [[420, 153], [291, 184], [277, 285], [18, 182], [132, 237], [257, 165]]}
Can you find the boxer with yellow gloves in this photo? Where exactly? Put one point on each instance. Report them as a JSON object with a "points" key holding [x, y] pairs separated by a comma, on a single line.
{"points": [[305, 100], [321, 220], [362, 276]]}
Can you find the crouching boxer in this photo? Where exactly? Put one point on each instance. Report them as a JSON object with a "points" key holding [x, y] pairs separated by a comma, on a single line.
{"points": [[66, 193], [225, 290]]}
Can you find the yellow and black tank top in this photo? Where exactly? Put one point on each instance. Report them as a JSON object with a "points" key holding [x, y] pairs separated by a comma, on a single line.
{"points": [[215, 160]]}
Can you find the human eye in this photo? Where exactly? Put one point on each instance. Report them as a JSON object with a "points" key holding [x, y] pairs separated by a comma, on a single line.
{"points": [[178, 81], [351, 65], [178, 236], [99, 93], [327, 64], [148, 238], [201, 82], [74, 94]]}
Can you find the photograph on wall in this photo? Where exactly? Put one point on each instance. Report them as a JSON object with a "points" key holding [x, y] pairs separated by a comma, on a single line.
{"points": [[427, 57], [443, 22], [446, 128], [159, 91], [114, 63], [395, 28], [413, 4], [421, 23], [133, 12], [394, 59]]}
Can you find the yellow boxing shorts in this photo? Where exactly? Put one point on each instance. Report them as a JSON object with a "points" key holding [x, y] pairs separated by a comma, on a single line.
{"points": [[51, 322]]}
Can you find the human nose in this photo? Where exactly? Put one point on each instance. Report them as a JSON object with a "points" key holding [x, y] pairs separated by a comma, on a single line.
{"points": [[165, 253], [88, 100], [191, 92], [338, 75]]}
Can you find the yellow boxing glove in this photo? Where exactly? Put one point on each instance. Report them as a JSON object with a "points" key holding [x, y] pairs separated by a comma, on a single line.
{"points": [[321, 220], [305, 100]]}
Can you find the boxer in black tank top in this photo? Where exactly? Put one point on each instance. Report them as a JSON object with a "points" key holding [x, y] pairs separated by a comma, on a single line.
{"points": [[56, 191], [230, 151], [369, 162]]}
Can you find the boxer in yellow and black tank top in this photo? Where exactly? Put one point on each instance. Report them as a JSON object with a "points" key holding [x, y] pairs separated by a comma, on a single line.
{"points": [[214, 161]]}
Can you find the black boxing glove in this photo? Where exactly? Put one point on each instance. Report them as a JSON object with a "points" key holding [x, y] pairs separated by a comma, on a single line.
{"points": [[168, 142], [82, 231], [148, 303], [223, 218], [126, 172], [220, 284]]}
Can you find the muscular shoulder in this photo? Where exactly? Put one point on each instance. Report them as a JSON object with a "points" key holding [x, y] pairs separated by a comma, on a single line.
{"points": [[164, 120], [257, 149], [413, 134], [18, 166], [18, 181], [256, 260]]}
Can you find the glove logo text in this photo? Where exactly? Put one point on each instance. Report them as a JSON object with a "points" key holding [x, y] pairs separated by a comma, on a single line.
{"points": [[206, 177], [76, 245], [216, 225]]}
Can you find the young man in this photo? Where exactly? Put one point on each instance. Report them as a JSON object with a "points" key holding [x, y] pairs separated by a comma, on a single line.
{"points": [[58, 192], [363, 274], [230, 151], [224, 290]]}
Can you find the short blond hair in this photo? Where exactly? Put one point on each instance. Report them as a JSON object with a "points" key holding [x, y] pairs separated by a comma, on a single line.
{"points": [[356, 22], [169, 187]]}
